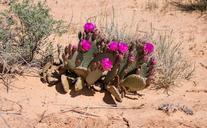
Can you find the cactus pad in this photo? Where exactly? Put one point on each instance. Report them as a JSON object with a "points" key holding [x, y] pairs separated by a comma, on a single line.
{"points": [[144, 70], [93, 76], [66, 83], [79, 84], [81, 71], [134, 82]]}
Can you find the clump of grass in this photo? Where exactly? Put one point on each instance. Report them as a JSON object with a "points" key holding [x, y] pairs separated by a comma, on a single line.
{"points": [[189, 6], [113, 30], [172, 64], [24, 28]]}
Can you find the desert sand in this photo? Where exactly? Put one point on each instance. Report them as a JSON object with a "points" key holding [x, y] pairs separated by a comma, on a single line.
{"points": [[30, 103]]}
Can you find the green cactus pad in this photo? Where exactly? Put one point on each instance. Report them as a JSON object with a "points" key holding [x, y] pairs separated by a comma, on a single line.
{"points": [[93, 76], [81, 71], [144, 70], [66, 83], [79, 59], [70, 64], [134, 82], [114, 92], [79, 84]]}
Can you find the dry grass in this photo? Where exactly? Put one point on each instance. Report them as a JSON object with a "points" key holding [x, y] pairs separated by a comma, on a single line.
{"points": [[172, 61], [114, 30]]}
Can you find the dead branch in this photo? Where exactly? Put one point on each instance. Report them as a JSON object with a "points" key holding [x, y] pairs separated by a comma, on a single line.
{"points": [[42, 116], [126, 121], [108, 107], [204, 66], [197, 91], [80, 112]]}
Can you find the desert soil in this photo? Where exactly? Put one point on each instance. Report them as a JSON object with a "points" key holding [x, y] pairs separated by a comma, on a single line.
{"points": [[30, 103]]}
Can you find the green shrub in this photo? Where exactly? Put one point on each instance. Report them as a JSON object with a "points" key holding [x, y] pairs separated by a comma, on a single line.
{"points": [[24, 29]]}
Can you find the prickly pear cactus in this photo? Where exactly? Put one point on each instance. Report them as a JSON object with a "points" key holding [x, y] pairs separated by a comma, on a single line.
{"points": [[102, 64]]}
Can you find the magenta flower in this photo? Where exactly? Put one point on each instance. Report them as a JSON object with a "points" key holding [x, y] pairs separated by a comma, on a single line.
{"points": [[106, 64], [85, 45], [113, 46], [123, 47], [89, 27], [148, 48]]}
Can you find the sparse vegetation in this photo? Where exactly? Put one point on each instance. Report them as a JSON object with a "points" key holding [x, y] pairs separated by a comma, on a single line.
{"points": [[24, 28]]}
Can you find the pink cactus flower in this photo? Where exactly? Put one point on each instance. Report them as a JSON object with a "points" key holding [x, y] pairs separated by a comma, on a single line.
{"points": [[148, 48], [123, 47], [106, 64], [85, 45], [113, 46], [89, 27]]}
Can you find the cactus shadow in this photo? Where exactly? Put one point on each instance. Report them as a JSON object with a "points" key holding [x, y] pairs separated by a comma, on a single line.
{"points": [[59, 88], [108, 99], [85, 91]]}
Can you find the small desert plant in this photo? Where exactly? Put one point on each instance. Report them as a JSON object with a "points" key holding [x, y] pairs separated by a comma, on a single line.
{"points": [[24, 28], [171, 62], [106, 63]]}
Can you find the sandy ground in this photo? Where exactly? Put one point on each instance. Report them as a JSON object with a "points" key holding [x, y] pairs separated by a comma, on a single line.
{"points": [[30, 103]]}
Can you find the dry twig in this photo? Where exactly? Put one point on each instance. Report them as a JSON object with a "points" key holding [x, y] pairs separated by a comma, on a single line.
{"points": [[197, 91]]}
